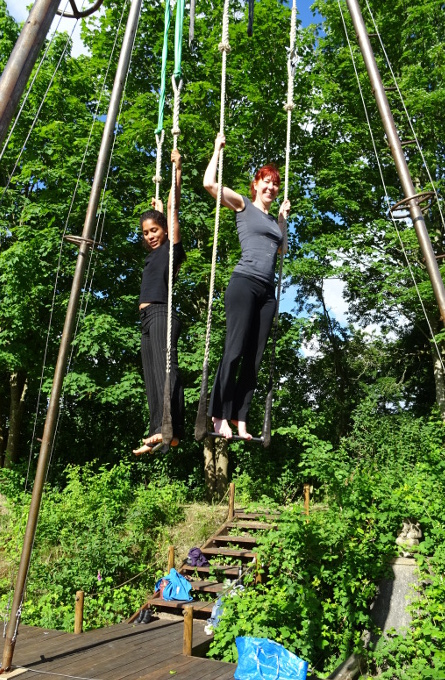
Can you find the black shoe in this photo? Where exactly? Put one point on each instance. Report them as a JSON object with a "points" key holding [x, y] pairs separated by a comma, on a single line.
{"points": [[146, 618], [140, 616]]}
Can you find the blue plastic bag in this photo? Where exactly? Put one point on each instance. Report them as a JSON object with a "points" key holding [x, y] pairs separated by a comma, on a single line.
{"points": [[263, 659], [176, 588]]}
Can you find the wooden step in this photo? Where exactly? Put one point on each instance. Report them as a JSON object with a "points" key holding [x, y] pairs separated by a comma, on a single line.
{"points": [[257, 515], [207, 586], [224, 570], [229, 552], [251, 540], [244, 524]]}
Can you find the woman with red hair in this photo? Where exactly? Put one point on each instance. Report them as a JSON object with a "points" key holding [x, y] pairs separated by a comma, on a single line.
{"points": [[250, 301]]}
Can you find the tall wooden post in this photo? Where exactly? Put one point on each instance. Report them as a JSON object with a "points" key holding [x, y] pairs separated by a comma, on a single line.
{"points": [[187, 644], [231, 514], [307, 498], [78, 612], [171, 557]]}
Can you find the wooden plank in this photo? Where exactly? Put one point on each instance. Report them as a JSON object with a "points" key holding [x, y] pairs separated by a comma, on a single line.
{"points": [[225, 570], [257, 515], [245, 524], [229, 552], [251, 540], [207, 586]]}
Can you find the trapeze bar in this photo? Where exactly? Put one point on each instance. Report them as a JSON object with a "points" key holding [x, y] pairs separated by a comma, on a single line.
{"points": [[236, 438], [420, 197]]}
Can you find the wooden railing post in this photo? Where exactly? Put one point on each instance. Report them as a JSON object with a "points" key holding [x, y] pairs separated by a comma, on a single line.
{"points": [[188, 631], [171, 557], [231, 514], [78, 612]]}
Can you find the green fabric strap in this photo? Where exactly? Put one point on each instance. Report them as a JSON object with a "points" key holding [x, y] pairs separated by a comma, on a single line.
{"points": [[167, 20], [178, 36]]}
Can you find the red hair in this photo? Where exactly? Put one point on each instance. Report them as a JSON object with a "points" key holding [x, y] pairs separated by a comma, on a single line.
{"points": [[266, 171]]}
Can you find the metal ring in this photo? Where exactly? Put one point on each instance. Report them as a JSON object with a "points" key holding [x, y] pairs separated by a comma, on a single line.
{"points": [[78, 15], [421, 198]]}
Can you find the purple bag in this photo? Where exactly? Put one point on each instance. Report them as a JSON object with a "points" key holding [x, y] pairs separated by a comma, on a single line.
{"points": [[196, 558]]}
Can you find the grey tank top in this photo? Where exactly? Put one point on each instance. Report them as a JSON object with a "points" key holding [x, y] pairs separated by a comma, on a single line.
{"points": [[260, 237]]}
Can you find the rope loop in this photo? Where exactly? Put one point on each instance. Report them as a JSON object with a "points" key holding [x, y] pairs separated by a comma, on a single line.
{"points": [[176, 87]]}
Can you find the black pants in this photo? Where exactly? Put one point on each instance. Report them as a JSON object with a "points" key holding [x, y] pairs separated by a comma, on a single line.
{"points": [[250, 308], [153, 352]]}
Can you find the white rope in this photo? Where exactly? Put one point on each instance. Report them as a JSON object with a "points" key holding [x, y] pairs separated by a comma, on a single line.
{"points": [[224, 48], [36, 117], [158, 177], [97, 238], [408, 117], [175, 133], [386, 193], [29, 90], [87, 147]]}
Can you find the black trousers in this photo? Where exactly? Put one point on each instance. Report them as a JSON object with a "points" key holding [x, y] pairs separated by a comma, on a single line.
{"points": [[153, 352], [250, 308]]}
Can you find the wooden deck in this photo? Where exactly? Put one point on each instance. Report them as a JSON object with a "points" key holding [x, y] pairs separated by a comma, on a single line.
{"points": [[125, 651]]}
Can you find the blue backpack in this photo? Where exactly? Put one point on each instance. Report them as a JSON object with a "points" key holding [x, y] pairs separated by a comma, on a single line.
{"points": [[177, 587]]}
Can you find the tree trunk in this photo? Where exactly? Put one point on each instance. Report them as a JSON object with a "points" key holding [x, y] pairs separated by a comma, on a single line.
{"points": [[439, 380], [216, 463], [438, 362], [209, 467], [17, 388], [221, 467]]}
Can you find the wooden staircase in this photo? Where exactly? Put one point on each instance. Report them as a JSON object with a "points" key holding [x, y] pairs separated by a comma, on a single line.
{"points": [[231, 552]]}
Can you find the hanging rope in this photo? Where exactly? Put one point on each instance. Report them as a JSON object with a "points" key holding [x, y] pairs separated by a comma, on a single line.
{"points": [[167, 425], [159, 132], [408, 117], [192, 21], [250, 18], [55, 288], [387, 201], [36, 117], [29, 90], [201, 418], [289, 106]]}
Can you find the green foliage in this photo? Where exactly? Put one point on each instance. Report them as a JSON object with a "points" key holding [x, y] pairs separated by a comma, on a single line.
{"points": [[95, 534], [323, 571]]}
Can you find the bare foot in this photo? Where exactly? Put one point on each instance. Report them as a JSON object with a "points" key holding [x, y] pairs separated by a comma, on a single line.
{"points": [[153, 440], [222, 427], [142, 449], [242, 429]]}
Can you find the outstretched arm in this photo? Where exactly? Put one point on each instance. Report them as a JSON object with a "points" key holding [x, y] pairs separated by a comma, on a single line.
{"points": [[282, 223], [229, 198], [176, 159]]}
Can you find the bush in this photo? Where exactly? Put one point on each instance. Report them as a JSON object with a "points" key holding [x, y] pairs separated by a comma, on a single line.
{"points": [[95, 534]]}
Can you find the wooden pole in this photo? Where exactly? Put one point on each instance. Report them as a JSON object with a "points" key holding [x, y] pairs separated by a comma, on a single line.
{"points": [[231, 514], [188, 631], [171, 557], [307, 498], [78, 613]]}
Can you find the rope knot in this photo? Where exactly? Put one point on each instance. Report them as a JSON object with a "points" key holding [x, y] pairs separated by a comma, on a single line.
{"points": [[157, 179], [224, 47], [176, 131], [289, 107]]}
